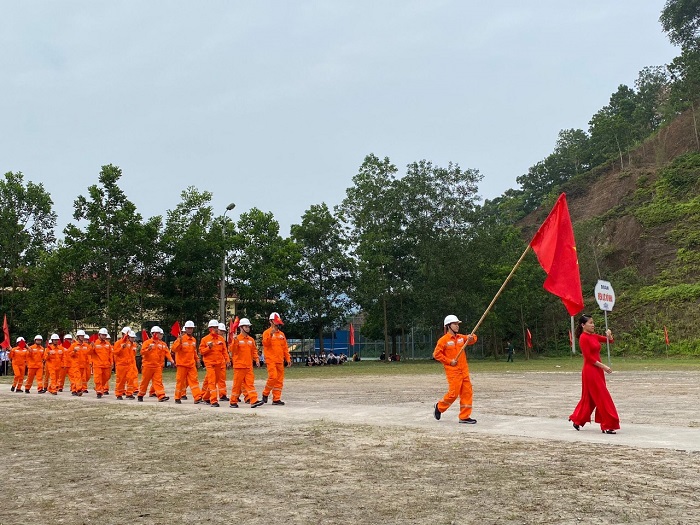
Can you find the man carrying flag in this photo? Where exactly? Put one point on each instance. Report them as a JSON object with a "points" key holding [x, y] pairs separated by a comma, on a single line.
{"points": [[185, 351], [18, 356], [244, 353], [35, 365], [277, 356]]}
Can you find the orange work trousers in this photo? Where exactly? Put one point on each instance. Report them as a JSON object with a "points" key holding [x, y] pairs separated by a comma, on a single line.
{"points": [[121, 387], [18, 371], [31, 374], [85, 372], [101, 376], [132, 379], [184, 377], [243, 378], [62, 373], [222, 381], [75, 376], [458, 386], [275, 380], [54, 371], [152, 375], [213, 380]]}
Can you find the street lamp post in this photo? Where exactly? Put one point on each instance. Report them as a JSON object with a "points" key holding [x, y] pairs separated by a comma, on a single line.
{"points": [[222, 287]]}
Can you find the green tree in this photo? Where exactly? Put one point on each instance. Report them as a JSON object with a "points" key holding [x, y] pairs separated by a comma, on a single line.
{"points": [[680, 19], [320, 295]]}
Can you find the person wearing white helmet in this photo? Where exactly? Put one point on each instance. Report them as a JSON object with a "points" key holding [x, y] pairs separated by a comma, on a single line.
{"points": [[84, 348], [102, 360], [132, 378], [225, 365], [154, 353], [35, 366], [65, 365], [214, 352], [53, 356], [277, 356], [72, 357], [124, 360], [244, 352], [184, 349], [448, 351], [18, 356]]}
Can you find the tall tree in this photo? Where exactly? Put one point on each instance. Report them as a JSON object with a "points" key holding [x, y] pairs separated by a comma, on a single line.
{"points": [[320, 296], [680, 19]]}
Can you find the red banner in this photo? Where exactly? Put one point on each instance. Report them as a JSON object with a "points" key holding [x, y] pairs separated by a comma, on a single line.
{"points": [[144, 335], [555, 247], [232, 327], [352, 335], [175, 329], [666, 336], [528, 338], [5, 330]]}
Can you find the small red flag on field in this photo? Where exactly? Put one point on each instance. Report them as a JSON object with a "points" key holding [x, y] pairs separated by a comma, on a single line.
{"points": [[352, 335], [666, 336], [144, 335], [555, 247], [528, 338], [5, 330], [175, 329]]}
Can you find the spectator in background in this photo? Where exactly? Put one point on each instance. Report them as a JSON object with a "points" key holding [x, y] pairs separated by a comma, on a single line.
{"points": [[4, 361], [511, 351]]}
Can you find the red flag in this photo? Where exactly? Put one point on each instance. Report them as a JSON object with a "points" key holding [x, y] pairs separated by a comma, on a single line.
{"points": [[555, 247], [66, 343], [175, 329], [22, 344], [5, 330], [571, 339], [528, 338], [92, 338], [144, 335], [232, 327], [352, 335], [666, 336]]}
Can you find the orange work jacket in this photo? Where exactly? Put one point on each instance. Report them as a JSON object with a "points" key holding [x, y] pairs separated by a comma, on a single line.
{"points": [[217, 354], [124, 352], [185, 351], [101, 352], [155, 356], [35, 356], [53, 355], [275, 347], [244, 351], [18, 355], [447, 348]]}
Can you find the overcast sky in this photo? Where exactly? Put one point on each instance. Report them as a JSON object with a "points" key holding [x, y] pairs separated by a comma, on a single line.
{"points": [[275, 104]]}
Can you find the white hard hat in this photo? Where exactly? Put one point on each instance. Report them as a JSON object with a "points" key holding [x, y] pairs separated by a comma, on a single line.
{"points": [[67, 336], [103, 331], [189, 324], [222, 326], [80, 332], [37, 336], [20, 338], [275, 318], [244, 322], [156, 329], [126, 330], [213, 323], [54, 336], [108, 336], [451, 319], [132, 333]]}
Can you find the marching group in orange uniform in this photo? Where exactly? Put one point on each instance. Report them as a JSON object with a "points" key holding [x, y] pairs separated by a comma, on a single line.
{"points": [[79, 358]]}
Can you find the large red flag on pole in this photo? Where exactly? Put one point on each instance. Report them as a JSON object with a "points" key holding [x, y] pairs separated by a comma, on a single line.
{"points": [[6, 331], [555, 247], [352, 336]]}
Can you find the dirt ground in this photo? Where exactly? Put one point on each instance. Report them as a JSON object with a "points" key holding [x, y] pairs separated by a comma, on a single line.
{"points": [[359, 449]]}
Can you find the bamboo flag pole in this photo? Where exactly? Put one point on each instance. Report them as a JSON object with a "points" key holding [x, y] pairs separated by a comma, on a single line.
{"points": [[488, 309]]}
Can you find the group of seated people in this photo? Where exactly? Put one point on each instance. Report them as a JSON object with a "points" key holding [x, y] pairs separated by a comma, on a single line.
{"points": [[322, 359]]}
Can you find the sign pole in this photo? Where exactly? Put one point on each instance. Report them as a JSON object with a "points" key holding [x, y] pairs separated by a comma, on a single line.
{"points": [[607, 341]]}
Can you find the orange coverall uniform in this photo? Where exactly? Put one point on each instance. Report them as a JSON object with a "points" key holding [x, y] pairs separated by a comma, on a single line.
{"points": [[73, 358], [18, 356], [124, 361], [84, 362], [53, 355], [153, 355], [63, 371], [101, 353], [185, 351], [459, 384], [35, 365], [244, 352], [214, 357], [276, 352]]}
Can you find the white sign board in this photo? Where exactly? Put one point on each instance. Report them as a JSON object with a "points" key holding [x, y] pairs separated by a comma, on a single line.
{"points": [[605, 295]]}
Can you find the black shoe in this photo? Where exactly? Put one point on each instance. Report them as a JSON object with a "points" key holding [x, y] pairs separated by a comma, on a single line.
{"points": [[140, 398], [152, 395], [130, 397], [207, 402], [106, 392], [184, 398], [85, 391], [53, 393], [19, 391], [177, 401], [223, 398], [437, 413], [164, 398], [26, 391], [278, 402], [577, 427], [215, 405], [42, 391], [264, 398], [198, 401], [257, 404], [233, 405], [608, 432], [120, 398], [247, 401], [12, 389], [468, 421], [60, 390], [99, 396]]}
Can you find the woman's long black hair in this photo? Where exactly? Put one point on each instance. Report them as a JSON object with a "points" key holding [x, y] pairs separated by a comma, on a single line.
{"points": [[581, 321]]}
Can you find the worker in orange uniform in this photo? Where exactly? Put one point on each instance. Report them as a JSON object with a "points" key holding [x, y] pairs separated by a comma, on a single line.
{"points": [[132, 379], [214, 352], [53, 356], [71, 355], [277, 356], [244, 353], [226, 364], [102, 359], [63, 370], [124, 359], [154, 352], [185, 351], [35, 365], [83, 347], [18, 356], [447, 351]]}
